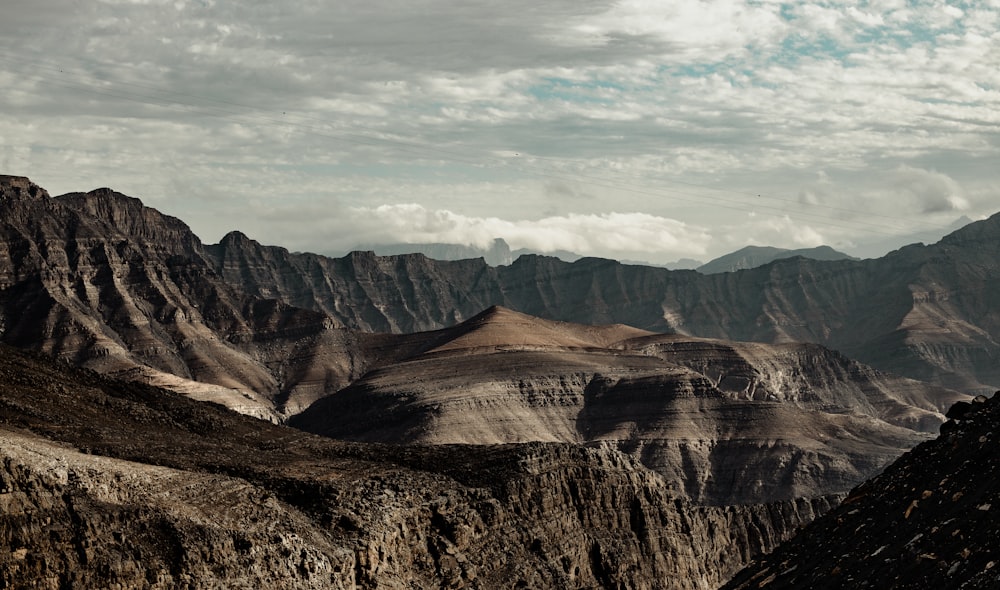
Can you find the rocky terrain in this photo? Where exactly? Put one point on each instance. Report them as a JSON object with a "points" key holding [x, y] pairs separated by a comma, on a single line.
{"points": [[725, 447], [105, 484], [713, 416], [929, 521], [101, 279]]}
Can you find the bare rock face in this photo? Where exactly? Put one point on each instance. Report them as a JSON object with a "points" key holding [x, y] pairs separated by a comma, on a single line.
{"points": [[928, 521], [109, 484], [107, 283], [731, 423]]}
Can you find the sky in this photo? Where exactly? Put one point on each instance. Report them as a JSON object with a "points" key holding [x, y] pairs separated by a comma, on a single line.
{"points": [[633, 129]]}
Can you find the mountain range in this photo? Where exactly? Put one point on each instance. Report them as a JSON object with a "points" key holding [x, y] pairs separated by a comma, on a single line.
{"points": [[735, 394], [925, 312]]}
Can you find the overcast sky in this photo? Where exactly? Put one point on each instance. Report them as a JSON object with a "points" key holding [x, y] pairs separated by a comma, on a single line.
{"points": [[644, 130]]}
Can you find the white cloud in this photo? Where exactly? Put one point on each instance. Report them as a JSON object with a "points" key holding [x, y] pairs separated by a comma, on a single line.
{"points": [[564, 110], [617, 234], [927, 190]]}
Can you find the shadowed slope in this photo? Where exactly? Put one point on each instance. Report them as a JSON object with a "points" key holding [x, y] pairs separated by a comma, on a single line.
{"points": [[929, 521]]}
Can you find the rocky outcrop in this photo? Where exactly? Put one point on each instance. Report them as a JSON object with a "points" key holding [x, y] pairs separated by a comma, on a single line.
{"points": [[928, 521], [110, 484], [107, 283]]}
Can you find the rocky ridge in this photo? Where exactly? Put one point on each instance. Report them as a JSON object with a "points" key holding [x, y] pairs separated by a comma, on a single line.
{"points": [[111, 484], [928, 521]]}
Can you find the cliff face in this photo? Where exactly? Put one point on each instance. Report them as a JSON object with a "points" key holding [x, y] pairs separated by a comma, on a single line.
{"points": [[105, 282], [928, 521], [107, 484]]}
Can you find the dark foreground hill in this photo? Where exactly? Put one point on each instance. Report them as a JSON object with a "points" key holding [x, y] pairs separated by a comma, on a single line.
{"points": [[107, 484], [931, 520]]}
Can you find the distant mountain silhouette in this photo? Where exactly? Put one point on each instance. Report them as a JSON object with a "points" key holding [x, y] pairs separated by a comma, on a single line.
{"points": [[878, 247], [754, 256], [497, 254]]}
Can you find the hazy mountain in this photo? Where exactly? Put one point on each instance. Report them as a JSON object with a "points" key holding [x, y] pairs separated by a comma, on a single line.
{"points": [[497, 254], [564, 255], [878, 247], [929, 521], [754, 256], [682, 264]]}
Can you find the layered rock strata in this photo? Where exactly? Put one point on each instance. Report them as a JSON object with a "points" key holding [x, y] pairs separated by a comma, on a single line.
{"points": [[730, 423], [108, 484]]}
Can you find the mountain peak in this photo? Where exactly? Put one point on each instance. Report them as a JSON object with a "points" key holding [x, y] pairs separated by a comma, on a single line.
{"points": [[20, 187], [500, 327], [754, 256], [986, 230], [235, 237]]}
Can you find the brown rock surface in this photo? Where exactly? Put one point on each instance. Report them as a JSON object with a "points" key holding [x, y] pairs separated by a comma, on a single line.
{"points": [[929, 521], [731, 423], [925, 312], [106, 484], [106, 282]]}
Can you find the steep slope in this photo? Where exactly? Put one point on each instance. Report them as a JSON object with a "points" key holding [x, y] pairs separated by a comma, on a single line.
{"points": [[709, 415], [108, 484], [102, 281], [928, 521]]}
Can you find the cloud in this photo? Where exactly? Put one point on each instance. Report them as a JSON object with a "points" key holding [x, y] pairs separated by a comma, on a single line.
{"points": [[606, 234], [565, 110], [930, 191], [782, 232]]}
